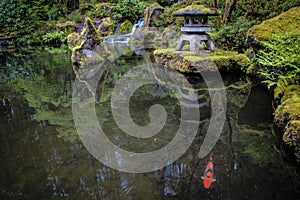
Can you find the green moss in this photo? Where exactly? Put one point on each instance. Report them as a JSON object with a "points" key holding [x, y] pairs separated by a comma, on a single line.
{"points": [[228, 60], [149, 11], [287, 117], [188, 53], [289, 108], [156, 5], [103, 6], [290, 92], [106, 27], [187, 61], [125, 27], [285, 85], [200, 8], [162, 51], [286, 22], [87, 40], [193, 58], [291, 135], [73, 40]]}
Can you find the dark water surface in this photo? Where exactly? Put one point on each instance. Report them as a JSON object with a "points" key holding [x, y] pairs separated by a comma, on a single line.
{"points": [[42, 157]]}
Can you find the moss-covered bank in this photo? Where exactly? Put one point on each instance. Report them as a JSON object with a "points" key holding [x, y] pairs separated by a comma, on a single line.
{"points": [[287, 118], [278, 62], [288, 21]]}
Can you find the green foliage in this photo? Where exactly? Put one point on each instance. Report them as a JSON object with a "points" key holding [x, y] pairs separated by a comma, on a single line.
{"points": [[100, 13], [169, 19], [76, 16], [233, 36], [14, 16], [55, 38], [263, 9], [128, 9], [39, 10], [280, 59], [54, 13]]}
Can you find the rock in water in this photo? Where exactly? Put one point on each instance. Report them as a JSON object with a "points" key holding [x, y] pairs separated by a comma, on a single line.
{"points": [[88, 45]]}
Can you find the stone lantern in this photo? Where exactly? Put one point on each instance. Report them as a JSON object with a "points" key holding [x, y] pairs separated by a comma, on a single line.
{"points": [[195, 26]]}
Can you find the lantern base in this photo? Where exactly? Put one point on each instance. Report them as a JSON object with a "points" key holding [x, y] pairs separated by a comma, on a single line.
{"points": [[195, 41]]}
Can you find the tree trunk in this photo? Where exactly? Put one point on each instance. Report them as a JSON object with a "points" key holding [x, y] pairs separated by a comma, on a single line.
{"points": [[215, 4], [229, 7]]}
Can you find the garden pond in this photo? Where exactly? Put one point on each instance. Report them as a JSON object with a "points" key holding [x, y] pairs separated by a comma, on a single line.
{"points": [[42, 156]]}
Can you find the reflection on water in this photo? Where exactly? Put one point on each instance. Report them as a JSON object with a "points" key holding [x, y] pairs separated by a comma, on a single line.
{"points": [[43, 158]]}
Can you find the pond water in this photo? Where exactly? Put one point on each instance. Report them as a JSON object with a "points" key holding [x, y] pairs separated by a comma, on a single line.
{"points": [[42, 156]]}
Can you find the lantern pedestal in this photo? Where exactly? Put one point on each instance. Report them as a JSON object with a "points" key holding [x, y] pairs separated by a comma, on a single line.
{"points": [[195, 41]]}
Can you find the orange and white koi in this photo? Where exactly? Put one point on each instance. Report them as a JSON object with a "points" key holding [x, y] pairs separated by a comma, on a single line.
{"points": [[208, 176]]}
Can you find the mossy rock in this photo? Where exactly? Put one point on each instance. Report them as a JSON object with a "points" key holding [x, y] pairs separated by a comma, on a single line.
{"points": [[103, 6], [102, 10], [106, 27], [288, 21], [187, 61], [69, 25], [73, 40], [291, 135], [125, 27], [152, 15], [229, 60], [286, 85], [290, 107], [88, 45]]}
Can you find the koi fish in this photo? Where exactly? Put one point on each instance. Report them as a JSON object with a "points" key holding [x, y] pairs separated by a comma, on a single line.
{"points": [[208, 176]]}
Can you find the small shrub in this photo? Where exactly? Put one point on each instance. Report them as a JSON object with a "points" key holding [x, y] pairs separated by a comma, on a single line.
{"points": [[55, 38], [128, 9], [233, 36]]}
